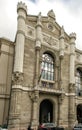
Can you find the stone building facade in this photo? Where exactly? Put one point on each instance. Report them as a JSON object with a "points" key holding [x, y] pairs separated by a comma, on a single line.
{"points": [[41, 74]]}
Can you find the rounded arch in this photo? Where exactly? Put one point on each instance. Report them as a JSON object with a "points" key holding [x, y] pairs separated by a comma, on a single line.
{"points": [[46, 111], [47, 66], [79, 113], [54, 105], [78, 66], [50, 52]]}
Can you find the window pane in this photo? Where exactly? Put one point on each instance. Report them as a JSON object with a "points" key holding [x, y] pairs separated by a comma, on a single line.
{"points": [[48, 75], [47, 67]]}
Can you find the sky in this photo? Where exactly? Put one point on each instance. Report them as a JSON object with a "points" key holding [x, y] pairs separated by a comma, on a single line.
{"points": [[68, 14]]}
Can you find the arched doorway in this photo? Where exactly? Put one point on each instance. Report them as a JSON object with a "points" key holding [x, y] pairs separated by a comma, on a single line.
{"points": [[46, 111], [79, 113]]}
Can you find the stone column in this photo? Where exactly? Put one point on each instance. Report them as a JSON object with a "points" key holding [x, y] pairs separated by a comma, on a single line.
{"points": [[38, 47], [35, 99], [60, 112], [72, 58], [61, 45], [57, 74], [61, 97], [17, 77], [20, 39], [72, 81]]}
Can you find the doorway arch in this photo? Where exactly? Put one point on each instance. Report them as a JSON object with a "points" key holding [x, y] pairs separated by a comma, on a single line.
{"points": [[79, 113], [46, 111]]}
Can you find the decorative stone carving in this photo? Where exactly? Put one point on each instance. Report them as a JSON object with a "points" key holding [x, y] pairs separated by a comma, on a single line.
{"points": [[30, 31], [61, 98], [17, 78], [67, 49], [39, 19], [73, 35], [71, 87], [50, 27], [51, 14], [50, 40], [34, 95], [21, 6], [77, 56], [62, 32]]}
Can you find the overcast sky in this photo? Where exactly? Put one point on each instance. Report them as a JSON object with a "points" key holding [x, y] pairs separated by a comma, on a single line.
{"points": [[68, 13]]}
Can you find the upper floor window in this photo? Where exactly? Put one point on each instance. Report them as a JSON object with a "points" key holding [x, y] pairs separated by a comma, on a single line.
{"points": [[47, 67], [78, 82]]}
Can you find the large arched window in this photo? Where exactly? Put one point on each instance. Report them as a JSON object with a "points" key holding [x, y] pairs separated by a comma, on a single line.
{"points": [[47, 67], [78, 82]]}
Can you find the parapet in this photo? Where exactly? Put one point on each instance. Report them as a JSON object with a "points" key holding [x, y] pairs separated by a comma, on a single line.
{"points": [[21, 5]]}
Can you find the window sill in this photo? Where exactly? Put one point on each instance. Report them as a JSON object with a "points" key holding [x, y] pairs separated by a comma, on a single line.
{"points": [[48, 81]]}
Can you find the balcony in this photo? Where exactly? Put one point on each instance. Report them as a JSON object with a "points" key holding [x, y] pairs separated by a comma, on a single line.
{"points": [[47, 86]]}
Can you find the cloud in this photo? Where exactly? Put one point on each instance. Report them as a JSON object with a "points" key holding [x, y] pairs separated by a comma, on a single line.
{"points": [[68, 13]]}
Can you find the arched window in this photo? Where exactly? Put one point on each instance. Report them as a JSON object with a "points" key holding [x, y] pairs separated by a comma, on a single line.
{"points": [[47, 67], [78, 82]]}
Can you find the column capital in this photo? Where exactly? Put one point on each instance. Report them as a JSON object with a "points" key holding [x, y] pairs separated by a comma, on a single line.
{"points": [[17, 78]]}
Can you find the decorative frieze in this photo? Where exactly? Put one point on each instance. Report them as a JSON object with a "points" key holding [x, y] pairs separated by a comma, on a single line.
{"points": [[17, 78], [50, 40]]}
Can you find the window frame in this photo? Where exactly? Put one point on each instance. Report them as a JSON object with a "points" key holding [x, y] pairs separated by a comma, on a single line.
{"points": [[48, 82], [78, 81]]}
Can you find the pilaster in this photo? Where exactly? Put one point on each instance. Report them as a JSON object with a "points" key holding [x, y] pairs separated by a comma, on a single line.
{"points": [[71, 113], [17, 77], [61, 43], [34, 97], [61, 56], [60, 103], [37, 48]]}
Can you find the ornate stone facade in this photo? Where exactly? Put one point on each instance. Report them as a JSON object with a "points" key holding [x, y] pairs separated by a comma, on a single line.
{"points": [[34, 89]]}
